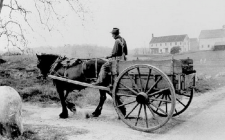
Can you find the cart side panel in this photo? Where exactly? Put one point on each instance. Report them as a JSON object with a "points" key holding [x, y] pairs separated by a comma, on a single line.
{"points": [[167, 66]]}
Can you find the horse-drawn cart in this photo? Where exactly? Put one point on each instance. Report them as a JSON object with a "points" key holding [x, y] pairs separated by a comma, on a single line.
{"points": [[151, 91]]}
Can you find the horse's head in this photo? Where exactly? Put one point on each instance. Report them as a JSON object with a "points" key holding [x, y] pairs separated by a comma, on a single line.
{"points": [[45, 62]]}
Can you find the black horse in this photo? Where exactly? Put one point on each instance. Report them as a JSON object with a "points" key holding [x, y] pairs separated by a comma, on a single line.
{"points": [[81, 70]]}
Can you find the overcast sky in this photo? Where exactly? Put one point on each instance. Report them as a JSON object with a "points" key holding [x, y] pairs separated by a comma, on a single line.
{"points": [[137, 20]]}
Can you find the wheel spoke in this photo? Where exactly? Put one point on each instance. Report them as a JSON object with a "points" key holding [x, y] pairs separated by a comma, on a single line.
{"points": [[156, 97], [138, 115], [126, 103], [166, 103], [154, 84], [162, 100], [180, 102], [129, 89], [149, 74], [175, 110], [139, 75], [153, 114], [132, 80], [157, 92], [159, 109], [131, 110], [127, 95], [146, 117]]}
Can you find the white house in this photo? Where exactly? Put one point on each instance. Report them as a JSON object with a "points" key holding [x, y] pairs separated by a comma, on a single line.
{"points": [[163, 44], [208, 38]]}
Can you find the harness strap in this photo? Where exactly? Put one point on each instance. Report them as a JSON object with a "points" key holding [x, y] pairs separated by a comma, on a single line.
{"points": [[96, 67], [53, 66]]}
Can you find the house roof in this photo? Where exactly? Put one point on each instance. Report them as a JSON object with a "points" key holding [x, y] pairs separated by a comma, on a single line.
{"points": [[217, 33], [171, 38]]}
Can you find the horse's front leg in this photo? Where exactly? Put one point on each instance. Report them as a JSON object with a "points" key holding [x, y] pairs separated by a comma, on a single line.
{"points": [[64, 113], [98, 110]]}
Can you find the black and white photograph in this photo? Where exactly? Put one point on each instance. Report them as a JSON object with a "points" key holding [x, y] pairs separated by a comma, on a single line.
{"points": [[112, 69]]}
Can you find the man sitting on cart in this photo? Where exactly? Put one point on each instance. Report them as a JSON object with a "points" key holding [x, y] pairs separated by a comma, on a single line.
{"points": [[119, 52]]}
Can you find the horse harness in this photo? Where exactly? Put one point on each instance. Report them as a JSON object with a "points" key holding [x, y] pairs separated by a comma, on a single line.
{"points": [[67, 63]]}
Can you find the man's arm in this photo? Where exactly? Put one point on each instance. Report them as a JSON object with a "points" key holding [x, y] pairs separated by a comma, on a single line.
{"points": [[115, 50]]}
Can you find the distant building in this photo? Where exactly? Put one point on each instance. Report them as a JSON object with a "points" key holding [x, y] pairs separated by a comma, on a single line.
{"points": [[194, 44], [208, 38], [219, 46], [163, 44]]}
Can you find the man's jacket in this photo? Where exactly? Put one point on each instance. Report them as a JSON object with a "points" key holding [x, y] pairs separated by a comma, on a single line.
{"points": [[119, 47]]}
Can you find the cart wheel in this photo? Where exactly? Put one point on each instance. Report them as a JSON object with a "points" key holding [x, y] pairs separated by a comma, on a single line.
{"points": [[142, 89], [183, 100]]}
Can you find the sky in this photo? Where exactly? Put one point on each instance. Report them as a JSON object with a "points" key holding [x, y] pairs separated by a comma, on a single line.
{"points": [[136, 19]]}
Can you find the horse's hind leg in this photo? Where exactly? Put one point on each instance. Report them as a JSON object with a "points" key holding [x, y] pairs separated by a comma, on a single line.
{"points": [[64, 113], [98, 110], [70, 106]]}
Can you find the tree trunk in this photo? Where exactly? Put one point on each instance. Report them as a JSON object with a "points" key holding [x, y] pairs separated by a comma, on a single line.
{"points": [[1, 5]]}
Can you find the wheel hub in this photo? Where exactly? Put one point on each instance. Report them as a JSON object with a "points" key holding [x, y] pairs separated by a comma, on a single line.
{"points": [[142, 98]]}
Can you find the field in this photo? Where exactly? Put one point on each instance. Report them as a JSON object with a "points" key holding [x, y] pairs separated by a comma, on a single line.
{"points": [[20, 72]]}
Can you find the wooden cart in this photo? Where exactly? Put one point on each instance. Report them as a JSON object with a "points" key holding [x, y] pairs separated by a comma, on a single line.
{"points": [[151, 91]]}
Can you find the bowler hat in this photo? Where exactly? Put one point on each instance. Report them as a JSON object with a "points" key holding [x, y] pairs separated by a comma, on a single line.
{"points": [[115, 31]]}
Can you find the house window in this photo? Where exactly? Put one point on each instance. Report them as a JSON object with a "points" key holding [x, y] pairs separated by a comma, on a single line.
{"points": [[160, 44], [171, 44], [180, 43], [208, 46], [165, 44], [156, 44], [202, 46], [175, 43]]}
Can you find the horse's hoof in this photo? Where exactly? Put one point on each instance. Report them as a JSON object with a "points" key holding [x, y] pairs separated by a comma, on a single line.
{"points": [[73, 109], [94, 115], [63, 115]]}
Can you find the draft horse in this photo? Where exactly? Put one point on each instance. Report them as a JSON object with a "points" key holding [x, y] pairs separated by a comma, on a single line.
{"points": [[81, 70]]}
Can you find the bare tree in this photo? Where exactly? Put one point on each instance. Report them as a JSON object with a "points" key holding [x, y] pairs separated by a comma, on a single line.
{"points": [[13, 30]]}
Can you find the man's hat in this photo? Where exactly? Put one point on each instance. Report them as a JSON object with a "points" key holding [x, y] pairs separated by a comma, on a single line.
{"points": [[115, 31]]}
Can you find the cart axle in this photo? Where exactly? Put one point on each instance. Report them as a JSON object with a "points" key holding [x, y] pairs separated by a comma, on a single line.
{"points": [[142, 98]]}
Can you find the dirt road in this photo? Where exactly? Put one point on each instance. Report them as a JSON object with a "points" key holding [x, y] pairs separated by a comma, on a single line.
{"points": [[204, 119]]}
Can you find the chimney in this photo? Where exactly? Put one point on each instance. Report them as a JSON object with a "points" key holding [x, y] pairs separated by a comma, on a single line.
{"points": [[152, 35]]}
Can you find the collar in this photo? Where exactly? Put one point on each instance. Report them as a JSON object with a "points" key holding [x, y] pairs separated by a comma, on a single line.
{"points": [[116, 37]]}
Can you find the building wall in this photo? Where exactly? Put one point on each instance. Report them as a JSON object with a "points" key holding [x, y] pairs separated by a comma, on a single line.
{"points": [[186, 45], [207, 44], [166, 47]]}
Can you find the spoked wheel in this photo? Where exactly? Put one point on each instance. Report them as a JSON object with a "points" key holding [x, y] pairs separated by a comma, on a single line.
{"points": [[143, 90], [184, 97]]}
